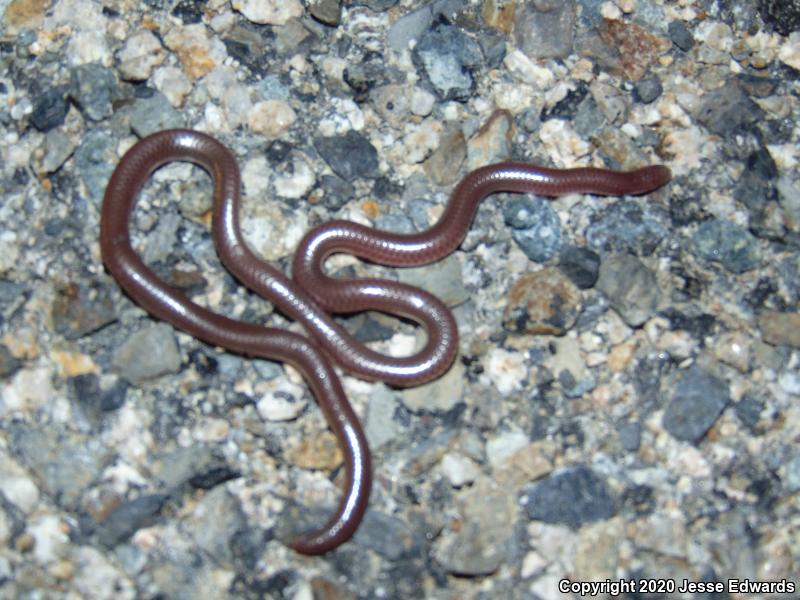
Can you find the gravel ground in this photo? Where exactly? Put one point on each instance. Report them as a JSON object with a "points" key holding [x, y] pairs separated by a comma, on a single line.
{"points": [[624, 408]]}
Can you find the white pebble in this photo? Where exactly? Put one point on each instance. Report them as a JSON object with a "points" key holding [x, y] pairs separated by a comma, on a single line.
{"points": [[140, 55], [269, 12], [271, 118], [506, 370], [422, 102], [171, 82], [459, 469]]}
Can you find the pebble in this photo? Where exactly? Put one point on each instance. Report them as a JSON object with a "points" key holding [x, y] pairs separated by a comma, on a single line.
{"points": [[648, 90], [440, 395], [536, 226], [80, 309], [726, 109], [543, 302], [388, 536], [281, 401], [695, 404], [734, 348], [155, 113], [380, 425], [626, 227], [581, 265], [271, 118], [269, 12], [149, 353], [680, 35], [728, 244], [446, 56], [350, 155], [8, 362], [573, 497], [58, 148], [141, 53], [198, 50], [460, 470], [784, 17], [506, 370], [443, 279], [780, 328], [544, 30], [638, 48], [125, 520], [50, 109], [171, 82], [631, 288], [443, 166], [95, 158], [327, 11]]}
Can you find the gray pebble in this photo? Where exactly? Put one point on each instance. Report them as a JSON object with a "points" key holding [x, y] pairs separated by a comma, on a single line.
{"points": [[95, 159], [58, 148], [8, 364], [631, 288], [93, 90], [128, 518], [447, 57], [680, 35], [728, 244], [696, 402], [545, 31], [380, 426], [443, 279], [626, 227], [50, 109], [350, 155], [572, 497], [726, 109], [147, 354], [581, 265], [409, 27], [387, 535], [154, 114], [647, 90], [536, 226]]}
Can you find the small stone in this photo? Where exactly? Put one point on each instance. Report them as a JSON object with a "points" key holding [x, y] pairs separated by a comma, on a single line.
{"points": [[459, 469], [283, 401], [421, 102], [780, 328], [58, 148], [409, 27], [630, 436], [748, 410], [50, 109], [506, 370], [321, 452], [492, 143], [350, 155], [125, 520], [727, 243], [141, 53], [536, 227], [326, 11], [627, 227], [696, 402], [647, 90], [199, 51], [573, 497], [581, 265], [443, 166], [171, 82], [440, 395], [544, 30], [781, 15], [388, 536], [95, 159], [726, 109], [380, 426], [271, 118], [545, 302], [443, 279], [638, 48], [79, 309], [631, 288], [680, 35], [154, 114], [269, 12], [147, 354], [86, 47], [447, 57], [734, 348], [8, 363]]}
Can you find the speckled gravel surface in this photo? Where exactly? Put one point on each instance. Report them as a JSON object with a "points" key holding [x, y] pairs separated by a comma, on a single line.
{"points": [[624, 409]]}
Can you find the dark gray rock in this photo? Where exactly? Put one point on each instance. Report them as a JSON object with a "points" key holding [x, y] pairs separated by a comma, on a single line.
{"points": [[726, 109], [756, 186], [626, 227], [749, 409], [8, 363], [128, 518], [696, 402], [647, 90], [350, 155], [782, 15], [631, 288], [680, 35], [387, 535], [571, 497], [81, 308], [581, 265], [50, 109], [93, 90], [447, 57], [630, 436], [728, 244], [536, 226]]}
